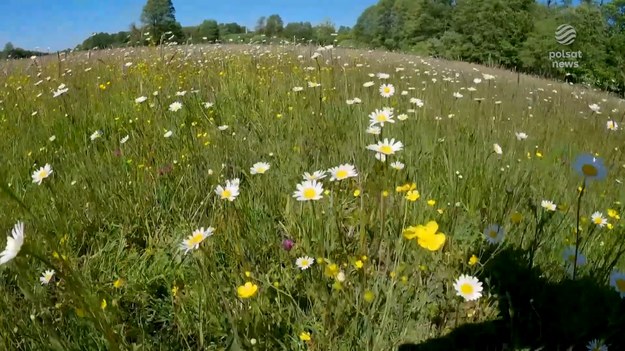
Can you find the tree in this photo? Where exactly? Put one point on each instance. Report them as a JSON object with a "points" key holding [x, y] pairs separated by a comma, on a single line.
{"points": [[208, 29], [274, 25], [159, 18], [260, 25], [298, 31], [8, 47]]}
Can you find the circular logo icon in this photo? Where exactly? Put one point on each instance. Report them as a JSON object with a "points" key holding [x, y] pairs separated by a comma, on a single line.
{"points": [[565, 34]]}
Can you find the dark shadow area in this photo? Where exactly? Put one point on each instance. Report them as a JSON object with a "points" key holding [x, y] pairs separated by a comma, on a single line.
{"points": [[536, 313]]}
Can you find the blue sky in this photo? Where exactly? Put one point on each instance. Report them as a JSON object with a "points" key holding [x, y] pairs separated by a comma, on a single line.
{"points": [[61, 24]]}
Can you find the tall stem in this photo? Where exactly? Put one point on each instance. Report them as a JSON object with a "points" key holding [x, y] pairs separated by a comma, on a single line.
{"points": [[577, 237]]}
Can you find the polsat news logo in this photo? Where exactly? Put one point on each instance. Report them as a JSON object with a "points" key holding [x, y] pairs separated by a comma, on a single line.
{"points": [[565, 35]]}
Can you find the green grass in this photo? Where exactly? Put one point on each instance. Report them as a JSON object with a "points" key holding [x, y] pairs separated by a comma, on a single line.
{"points": [[112, 211]]}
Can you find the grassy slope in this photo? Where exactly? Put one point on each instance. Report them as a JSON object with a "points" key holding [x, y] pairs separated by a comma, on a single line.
{"points": [[114, 211]]}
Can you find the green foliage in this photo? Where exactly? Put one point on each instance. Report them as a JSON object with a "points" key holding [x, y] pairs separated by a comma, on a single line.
{"points": [[517, 34]]}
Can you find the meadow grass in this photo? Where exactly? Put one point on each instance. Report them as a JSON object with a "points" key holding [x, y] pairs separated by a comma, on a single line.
{"points": [[111, 217]]}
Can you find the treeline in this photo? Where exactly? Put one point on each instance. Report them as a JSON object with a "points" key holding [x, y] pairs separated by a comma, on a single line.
{"points": [[516, 34], [269, 28], [10, 51]]}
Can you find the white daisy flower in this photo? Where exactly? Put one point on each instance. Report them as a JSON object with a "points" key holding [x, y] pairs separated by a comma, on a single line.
{"points": [[230, 191], [259, 168], [548, 205], [140, 99], [342, 172], [46, 277], [468, 287], [387, 90], [175, 106], [41, 174], [14, 243], [308, 190], [304, 262], [193, 241], [317, 175]]}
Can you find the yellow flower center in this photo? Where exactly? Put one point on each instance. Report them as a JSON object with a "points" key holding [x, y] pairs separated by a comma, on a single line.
{"points": [[341, 174], [43, 173], [492, 234], [598, 220], [196, 239], [226, 194], [305, 263], [386, 149], [620, 285], [261, 169], [387, 90], [381, 118], [309, 193], [466, 288], [589, 170]]}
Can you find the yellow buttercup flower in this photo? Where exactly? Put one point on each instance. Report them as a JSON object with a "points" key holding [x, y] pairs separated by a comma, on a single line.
{"points": [[304, 336], [248, 290], [473, 260], [516, 218], [412, 195], [427, 236]]}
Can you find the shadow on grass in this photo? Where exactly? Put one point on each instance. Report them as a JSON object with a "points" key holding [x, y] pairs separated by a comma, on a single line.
{"points": [[535, 313]]}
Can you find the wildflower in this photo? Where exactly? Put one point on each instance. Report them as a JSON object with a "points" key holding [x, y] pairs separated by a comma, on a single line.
{"points": [[617, 281], [385, 148], [103, 304], [247, 290], [387, 90], [613, 213], [369, 296], [468, 287], [304, 262], [317, 175], [497, 149], [548, 205], [195, 239], [368, 84], [412, 195], [611, 125], [569, 257], [175, 106], [516, 218], [14, 243], [520, 136], [287, 244], [598, 219], [494, 234], [590, 167], [207, 105], [331, 270], [168, 134], [118, 283], [259, 168], [397, 165], [42, 173], [417, 102], [426, 235], [140, 99], [431, 202], [373, 130], [95, 135], [222, 127], [473, 260], [308, 190], [46, 277], [596, 345], [342, 172], [297, 89], [305, 336], [230, 191], [380, 117], [124, 139], [356, 192], [595, 108], [358, 264]]}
